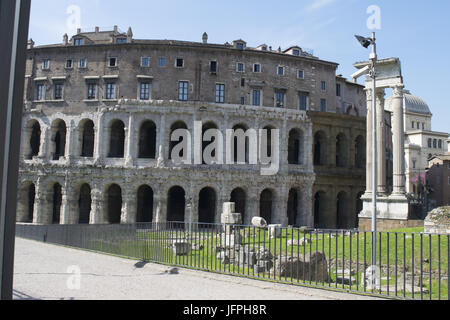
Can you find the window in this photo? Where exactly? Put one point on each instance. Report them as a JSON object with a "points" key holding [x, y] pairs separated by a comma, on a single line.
{"points": [[418, 125], [300, 74], [78, 42], [220, 93], [69, 64], [324, 86], [338, 90], [213, 66], [112, 62], [110, 92], [279, 98], [257, 97], [440, 144], [434, 143], [40, 92], [280, 71], [46, 64], [145, 62], [240, 46], [430, 143], [145, 91], [243, 82], [240, 67], [58, 91], [121, 40], [92, 89], [82, 63], [183, 90], [296, 52], [423, 126], [179, 63], [242, 100], [414, 164], [162, 62], [323, 105], [257, 68], [303, 101], [412, 124]]}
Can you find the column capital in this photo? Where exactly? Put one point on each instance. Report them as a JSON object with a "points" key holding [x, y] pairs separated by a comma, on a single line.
{"points": [[398, 91]]}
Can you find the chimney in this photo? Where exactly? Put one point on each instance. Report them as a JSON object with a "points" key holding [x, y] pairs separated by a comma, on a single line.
{"points": [[205, 38], [116, 29], [65, 39], [97, 29], [30, 44], [129, 35]]}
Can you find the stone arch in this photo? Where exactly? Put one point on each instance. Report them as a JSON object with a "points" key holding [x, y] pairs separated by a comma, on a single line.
{"points": [[342, 211], [114, 204], [296, 147], [239, 197], [175, 126], [207, 204], [58, 139], [84, 204], [25, 205], [266, 205], [320, 148], [147, 140], [116, 139], [360, 152], [32, 139], [86, 138], [293, 207], [341, 150], [176, 203], [56, 203], [244, 127], [144, 204], [207, 126]]}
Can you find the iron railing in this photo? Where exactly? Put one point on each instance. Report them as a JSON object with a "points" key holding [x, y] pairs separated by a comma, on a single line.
{"points": [[408, 266]]}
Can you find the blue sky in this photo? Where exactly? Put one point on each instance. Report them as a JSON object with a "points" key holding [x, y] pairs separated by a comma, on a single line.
{"points": [[415, 31]]}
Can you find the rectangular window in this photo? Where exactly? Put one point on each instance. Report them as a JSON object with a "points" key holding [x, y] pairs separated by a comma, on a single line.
{"points": [[183, 87], [179, 63], [122, 40], [83, 63], [145, 91], [430, 143], [296, 52], [434, 143], [220, 93], [257, 68], [279, 99], [145, 62], [240, 46], [78, 42], [112, 62], [324, 86], [69, 64], [46, 64], [213, 66], [58, 91], [338, 90], [300, 74], [162, 62], [110, 93], [40, 92], [323, 105], [257, 97], [412, 124], [423, 126], [242, 101], [280, 71], [303, 101], [243, 82], [91, 94], [240, 67], [440, 144]]}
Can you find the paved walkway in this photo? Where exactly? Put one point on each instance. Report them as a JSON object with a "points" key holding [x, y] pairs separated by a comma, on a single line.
{"points": [[50, 272]]}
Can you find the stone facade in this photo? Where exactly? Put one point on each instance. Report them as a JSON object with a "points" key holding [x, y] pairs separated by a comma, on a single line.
{"points": [[100, 110]]}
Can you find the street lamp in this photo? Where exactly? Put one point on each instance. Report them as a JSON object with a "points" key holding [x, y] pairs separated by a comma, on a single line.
{"points": [[366, 42]]}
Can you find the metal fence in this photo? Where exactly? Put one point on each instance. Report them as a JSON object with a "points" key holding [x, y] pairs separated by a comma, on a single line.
{"points": [[408, 266]]}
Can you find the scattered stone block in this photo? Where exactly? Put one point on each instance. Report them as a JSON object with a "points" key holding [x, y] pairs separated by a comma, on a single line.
{"points": [[259, 222], [309, 268], [275, 231], [438, 221], [181, 247]]}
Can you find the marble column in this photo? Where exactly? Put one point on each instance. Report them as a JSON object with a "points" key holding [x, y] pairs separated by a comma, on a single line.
{"points": [[381, 143], [369, 96], [398, 137]]}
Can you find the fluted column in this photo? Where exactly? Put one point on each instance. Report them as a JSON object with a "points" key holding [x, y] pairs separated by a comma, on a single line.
{"points": [[381, 143], [398, 137], [369, 143]]}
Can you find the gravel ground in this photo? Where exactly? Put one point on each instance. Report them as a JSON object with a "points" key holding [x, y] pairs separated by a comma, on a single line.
{"points": [[51, 272]]}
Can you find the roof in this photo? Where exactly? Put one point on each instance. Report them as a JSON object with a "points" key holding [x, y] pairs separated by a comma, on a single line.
{"points": [[413, 104]]}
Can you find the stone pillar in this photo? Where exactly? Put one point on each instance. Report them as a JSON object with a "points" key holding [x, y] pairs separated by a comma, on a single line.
{"points": [[161, 206], [69, 212], [398, 137], [43, 152], [252, 209], [306, 207], [369, 143], [42, 205], [71, 142], [281, 205], [129, 207], [129, 133], [99, 138], [381, 143], [162, 141], [98, 212]]}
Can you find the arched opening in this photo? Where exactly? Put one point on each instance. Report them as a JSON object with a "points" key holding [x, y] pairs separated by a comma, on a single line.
{"points": [[319, 209], [58, 138], [117, 140], [292, 207], [238, 196], [114, 205], [266, 205], [207, 126], [319, 149], [176, 126], [176, 204], [295, 147], [56, 203], [145, 205], [241, 145], [85, 204], [25, 203], [33, 140], [87, 139], [207, 206], [341, 150], [342, 214], [147, 140], [360, 152]]}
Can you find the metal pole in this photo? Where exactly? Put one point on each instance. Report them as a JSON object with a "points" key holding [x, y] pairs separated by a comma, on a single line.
{"points": [[14, 20]]}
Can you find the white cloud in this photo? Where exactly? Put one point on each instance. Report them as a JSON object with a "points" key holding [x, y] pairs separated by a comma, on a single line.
{"points": [[319, 4]]}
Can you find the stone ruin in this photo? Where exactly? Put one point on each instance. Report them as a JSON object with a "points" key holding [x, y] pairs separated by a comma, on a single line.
{"points": [[438, 221]]}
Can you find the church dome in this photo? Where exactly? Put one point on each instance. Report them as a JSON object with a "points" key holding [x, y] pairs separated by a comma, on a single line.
{"points": [[415, 104]]}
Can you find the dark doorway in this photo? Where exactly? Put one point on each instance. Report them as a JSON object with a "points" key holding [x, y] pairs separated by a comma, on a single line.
{"points": [[59, 140], [295, 151], [114, 196], [176, 205], [35, 141], [57, 201], [147, 140], [241, 146], [88, 138], [31, 200], [292, 207], [238, 196], [319, 149], [266, 205], [207, 206], [145, 205], [84, 204], [117, 140]]}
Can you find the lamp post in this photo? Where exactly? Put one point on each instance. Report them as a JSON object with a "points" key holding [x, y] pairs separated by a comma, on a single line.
{"points": [[366, 42]]}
